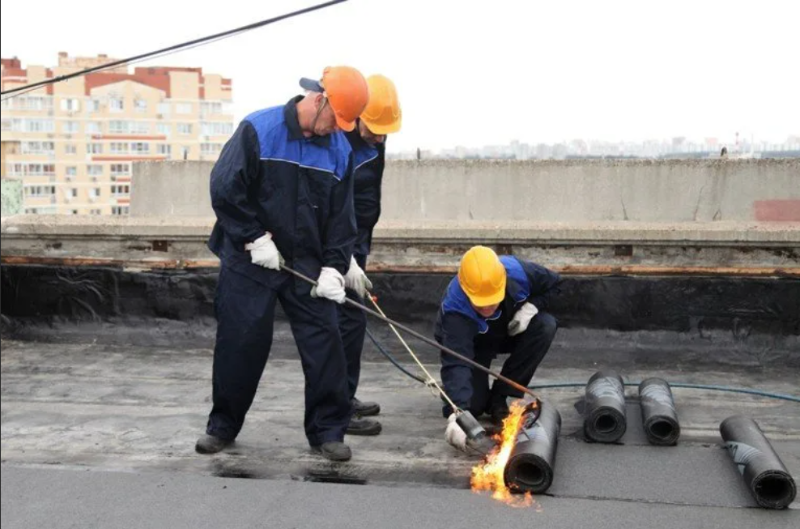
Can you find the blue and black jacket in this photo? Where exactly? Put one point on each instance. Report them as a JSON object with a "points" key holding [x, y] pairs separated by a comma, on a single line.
{"points": [[369, 162], [457, 323], [269, 177]]}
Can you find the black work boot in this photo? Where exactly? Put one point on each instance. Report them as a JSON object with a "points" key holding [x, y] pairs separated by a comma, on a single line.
{"points": [[498, 410], [363, 427], [365, 409], [334, 451], [208, 444]]}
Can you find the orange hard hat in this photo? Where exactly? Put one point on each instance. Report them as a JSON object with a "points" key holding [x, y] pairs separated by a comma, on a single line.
{"points": [[383, 114], [347, 93], [482, 276]]}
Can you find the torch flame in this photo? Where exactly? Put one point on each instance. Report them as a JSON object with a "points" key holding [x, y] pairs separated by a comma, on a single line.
{"points": [[488, 476]]}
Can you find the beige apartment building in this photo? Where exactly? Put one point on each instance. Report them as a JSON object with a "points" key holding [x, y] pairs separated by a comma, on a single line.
{"points": [[73, 143]]}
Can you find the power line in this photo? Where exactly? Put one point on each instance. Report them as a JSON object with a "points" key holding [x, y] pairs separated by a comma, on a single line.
{"points": [[168, 50]]}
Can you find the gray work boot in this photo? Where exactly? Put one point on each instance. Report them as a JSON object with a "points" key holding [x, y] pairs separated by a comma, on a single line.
{"points": [[208, 444], [365, 409], [363, 427], [334, 451]]}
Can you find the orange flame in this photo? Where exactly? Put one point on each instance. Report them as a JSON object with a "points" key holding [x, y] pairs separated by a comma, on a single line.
{"points": [[488, 476]]}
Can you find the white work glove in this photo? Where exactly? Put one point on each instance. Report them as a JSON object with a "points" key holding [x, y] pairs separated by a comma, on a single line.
{"points": [[519, 323], [263, 252], [356, 279], [330, 285], [454, 435]]}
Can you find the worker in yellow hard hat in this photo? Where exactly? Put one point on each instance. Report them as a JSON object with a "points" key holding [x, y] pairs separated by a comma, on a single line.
{"points": [[495, 305], [382, 116]]}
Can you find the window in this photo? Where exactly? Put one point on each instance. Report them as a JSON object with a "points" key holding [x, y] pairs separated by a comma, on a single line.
{"points": [[183, 108], [140, 106], [184, 128], [165, 129], [73, 192], [71, 127], [38, 147], [71, 171], [69, 148], [163, 109], [140, 127], [95, 212], [94, 192], [70, 105], [8, 125], [118, 127], [94, 170], [121, 190], [32, 169], [164, 149], [31, 103], [185, 153], [93, 106], [120, 210], [210, 108], [94, 127], [119, 148], [120, 169], [74, 211], [140, 148], [40, 191], [94, 148], [34, 125], [210, 149], [116, 104], [216, 129]]}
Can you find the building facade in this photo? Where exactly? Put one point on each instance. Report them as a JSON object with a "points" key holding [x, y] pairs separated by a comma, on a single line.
{"points": [[73, 143]]}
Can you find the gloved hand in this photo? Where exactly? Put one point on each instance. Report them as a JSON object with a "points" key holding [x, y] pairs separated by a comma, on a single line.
{"points": [[519, 323], [457, 438], [263, 252], [330, 285], [356, 279]]}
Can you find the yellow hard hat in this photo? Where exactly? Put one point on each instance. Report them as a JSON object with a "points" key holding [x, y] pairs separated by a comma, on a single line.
{"points": [[482, 276], [382, 114]]}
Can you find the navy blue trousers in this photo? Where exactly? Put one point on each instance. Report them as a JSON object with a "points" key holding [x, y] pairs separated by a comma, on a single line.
{"points": [[353, 328], [526, 351], [245, 311]]}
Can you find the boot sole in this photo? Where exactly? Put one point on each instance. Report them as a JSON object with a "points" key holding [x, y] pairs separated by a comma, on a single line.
{"points": [[331, 457]]}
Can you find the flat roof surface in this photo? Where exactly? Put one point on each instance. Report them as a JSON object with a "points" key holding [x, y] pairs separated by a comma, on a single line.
{"points": [[129, 415]]}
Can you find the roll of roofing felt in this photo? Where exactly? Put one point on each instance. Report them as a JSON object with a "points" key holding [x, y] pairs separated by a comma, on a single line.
{"points": [[763, 471], [658, 412], [531, 465], [604, 417]]}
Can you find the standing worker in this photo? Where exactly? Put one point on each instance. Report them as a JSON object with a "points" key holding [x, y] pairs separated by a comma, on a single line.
{"points": [[495, 305], [282, 191], [381, 117]]}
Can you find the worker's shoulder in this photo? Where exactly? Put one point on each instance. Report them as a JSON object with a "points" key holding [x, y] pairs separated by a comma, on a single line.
{"points": [[266, 121]]}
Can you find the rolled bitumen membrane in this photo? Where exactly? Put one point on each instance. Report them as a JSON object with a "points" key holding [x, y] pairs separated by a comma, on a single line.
{"points": [[604, 416], [659, 416], [763, 471], [531, 465]]}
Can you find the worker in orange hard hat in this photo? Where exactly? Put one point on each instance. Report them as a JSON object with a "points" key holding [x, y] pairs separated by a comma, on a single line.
{"points": [[282, 191], [495, 305], [382, 116]]}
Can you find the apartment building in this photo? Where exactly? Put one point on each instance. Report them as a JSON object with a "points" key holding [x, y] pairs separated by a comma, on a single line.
{"points": [[73, 143]]}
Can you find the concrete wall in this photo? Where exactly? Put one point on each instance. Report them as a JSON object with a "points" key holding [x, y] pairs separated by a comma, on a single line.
{"points": [[179, 189], [12, 197], [550, 191]]}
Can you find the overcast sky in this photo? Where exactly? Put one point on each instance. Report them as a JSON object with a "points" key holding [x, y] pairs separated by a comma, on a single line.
{"points": [[476, 72]]}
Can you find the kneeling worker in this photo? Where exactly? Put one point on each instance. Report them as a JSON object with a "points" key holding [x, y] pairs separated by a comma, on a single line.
{"points": [[495, 305]]}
